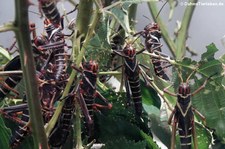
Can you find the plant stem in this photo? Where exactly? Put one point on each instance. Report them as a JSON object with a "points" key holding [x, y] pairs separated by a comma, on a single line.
{"points": [[132, 15], [27, 62], [85, 10], [183, 32], [7, 27], [110, 73], [102, 86], [154, 11], [78, 126]]}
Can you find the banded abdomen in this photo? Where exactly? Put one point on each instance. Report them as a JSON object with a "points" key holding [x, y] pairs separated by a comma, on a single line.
{"points": [[63, 127], [184, 117], [153, 44], [60, 64], [185, 126], [11, 81], [132, 74], [50, 10]]}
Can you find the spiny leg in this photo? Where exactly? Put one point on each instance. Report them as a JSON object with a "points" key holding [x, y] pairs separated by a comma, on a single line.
{"points": [[200, 115], [171, 116], [109, 105], [202, 86], [173, 138], [194, 135]]}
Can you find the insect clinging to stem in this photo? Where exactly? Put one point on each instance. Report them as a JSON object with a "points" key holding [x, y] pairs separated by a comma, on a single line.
{"points": [[152, 35]]}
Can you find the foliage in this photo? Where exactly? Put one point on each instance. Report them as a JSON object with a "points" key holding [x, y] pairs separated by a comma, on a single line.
{"points": [[119, 127]]}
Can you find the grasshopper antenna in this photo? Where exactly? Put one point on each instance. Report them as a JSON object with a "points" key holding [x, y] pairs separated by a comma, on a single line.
{"points": [[161, 9]]}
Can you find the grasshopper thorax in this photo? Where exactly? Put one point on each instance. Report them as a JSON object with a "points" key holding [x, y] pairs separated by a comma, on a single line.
{"points": [[91, 66]]}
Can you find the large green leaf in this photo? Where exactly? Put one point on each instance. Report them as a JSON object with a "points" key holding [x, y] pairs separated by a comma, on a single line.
{"points": [[4, 56], [120, 122], [149, 96], [99, 47], [5, 135], [204, 136], [161, 129], [211, 103], [124, 143]]}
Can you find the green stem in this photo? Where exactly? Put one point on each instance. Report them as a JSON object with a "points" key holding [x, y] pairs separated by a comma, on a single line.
{"points": [[79, 144], [110, 73], [27, 62], [183, 32], [102, 86], [85, 10], [7, 27], [154, 11], [112, 5], [132, 15]]}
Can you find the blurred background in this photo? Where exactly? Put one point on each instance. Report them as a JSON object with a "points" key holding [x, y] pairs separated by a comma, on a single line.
{"points": [[207, 24]]}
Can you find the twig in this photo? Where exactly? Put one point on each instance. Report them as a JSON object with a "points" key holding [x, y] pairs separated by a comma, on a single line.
{"points": [[27, 62]]}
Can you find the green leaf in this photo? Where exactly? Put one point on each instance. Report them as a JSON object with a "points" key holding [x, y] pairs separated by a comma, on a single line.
{"points": [[5, 135], [121, 15], [4, 56], [211, 103], [124, 143], [211, 50], [161, 129], [120, 122], [149, 96], [150, 109], [99, 47], [203, 135]]}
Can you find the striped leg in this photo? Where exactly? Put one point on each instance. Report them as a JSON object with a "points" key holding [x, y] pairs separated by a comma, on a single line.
{"points": [[88, 113], [194, 135]]}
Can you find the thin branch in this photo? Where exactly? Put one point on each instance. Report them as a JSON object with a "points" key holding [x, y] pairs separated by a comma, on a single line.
{"points": [[27, 62], [183, 32], [85, 10], [110, 73], [7, 27]]}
